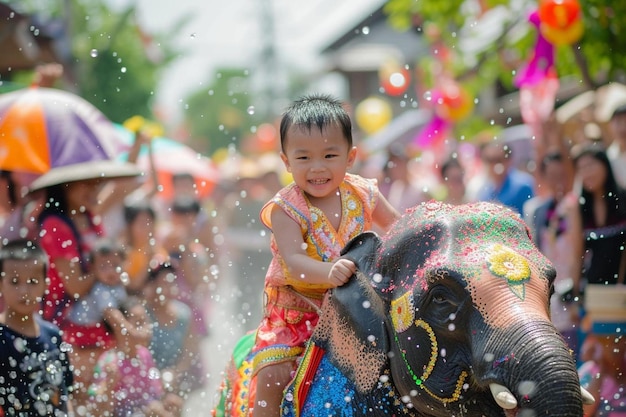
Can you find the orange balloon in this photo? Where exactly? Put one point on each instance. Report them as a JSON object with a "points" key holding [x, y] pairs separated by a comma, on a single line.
{"points": [[453, 103]]}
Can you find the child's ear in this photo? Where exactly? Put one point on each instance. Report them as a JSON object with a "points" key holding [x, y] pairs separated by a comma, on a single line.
{"points": [[352, 157], [283, 157]]}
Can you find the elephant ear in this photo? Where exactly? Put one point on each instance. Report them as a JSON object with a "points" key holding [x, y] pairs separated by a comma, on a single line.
{"points": [[351, 327], [357, 301]]}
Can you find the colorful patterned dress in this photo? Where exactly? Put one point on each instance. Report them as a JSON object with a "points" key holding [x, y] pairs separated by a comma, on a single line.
{"points": [[291, 305]]}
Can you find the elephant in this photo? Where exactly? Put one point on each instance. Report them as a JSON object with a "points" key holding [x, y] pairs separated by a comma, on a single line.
{"points": [[447, 315]]}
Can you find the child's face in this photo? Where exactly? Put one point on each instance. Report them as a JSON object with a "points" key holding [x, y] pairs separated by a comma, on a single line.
{"points": [[317, 160], [162, 288], [22, 284], [108, 268]]}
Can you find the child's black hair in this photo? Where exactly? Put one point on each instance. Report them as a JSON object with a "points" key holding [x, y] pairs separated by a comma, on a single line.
{"points": [[320, 110], [186, 205], [153, 272], [107, 246], [22, 250], [132, 210]]}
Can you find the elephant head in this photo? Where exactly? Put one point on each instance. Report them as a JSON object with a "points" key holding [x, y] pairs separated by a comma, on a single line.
{"points": [[450, 309]]}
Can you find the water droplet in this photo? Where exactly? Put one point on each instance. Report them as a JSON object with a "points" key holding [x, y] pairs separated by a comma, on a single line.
{"points": [[251, 110], [123, 70], [93, 53], [365, 30]]}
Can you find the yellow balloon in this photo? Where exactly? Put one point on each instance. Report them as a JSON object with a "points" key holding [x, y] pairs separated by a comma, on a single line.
{"points": [[566, 36], [372, 114]]}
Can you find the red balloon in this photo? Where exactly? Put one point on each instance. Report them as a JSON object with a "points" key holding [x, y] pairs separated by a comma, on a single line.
{"points": [[559, 14], [396, 82]]}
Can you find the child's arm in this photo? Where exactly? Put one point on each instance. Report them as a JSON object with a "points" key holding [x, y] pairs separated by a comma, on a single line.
{"points": [[384, 214], [293, 250]]}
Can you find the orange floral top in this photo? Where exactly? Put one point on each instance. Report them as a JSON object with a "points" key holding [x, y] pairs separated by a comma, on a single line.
{"points": [[291, 304]]}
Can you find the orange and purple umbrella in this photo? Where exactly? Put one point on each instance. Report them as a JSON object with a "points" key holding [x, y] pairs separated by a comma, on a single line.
{"points": [[45, 128]]}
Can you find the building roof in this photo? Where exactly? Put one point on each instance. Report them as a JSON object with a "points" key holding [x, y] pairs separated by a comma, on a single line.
{"points": [[371, 42], [22, 47]]}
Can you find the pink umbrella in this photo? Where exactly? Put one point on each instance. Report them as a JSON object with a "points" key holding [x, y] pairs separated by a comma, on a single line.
{"points": [[171, 158]]}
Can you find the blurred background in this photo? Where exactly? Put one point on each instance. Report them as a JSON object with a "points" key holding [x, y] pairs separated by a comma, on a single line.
{"points": [[212, 73]]}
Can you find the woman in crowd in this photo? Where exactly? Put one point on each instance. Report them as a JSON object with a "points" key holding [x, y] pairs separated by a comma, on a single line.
{"points": [[603, 218]]}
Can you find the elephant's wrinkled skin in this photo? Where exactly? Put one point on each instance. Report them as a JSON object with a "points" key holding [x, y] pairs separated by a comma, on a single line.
{"points": [[451, 304]]}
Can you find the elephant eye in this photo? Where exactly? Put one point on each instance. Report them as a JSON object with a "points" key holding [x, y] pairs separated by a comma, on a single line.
{"points": [[439, 298], [439, 295]]}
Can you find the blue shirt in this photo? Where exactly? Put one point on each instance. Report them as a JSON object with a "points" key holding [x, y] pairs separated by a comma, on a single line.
{"points": [[517, 188]]}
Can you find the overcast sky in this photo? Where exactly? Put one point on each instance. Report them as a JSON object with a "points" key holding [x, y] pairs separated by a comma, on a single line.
{"points": [[230, 33]]}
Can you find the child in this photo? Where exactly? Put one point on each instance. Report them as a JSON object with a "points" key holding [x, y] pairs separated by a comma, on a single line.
{"points": [[90, 320], [311, 221], [90, 313], [35, 375], [174, 345], [126, 381]]}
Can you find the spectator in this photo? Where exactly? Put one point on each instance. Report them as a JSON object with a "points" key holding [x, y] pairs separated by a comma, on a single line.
{"points": [[141, 243], [503, 183], [34, 365], [126, 381], [99, 308], [452, 177], [69, 226], [617, 149], [554, 223], [174, 345], [399, 186], [603, 354], [603, 217], [181, 243]]}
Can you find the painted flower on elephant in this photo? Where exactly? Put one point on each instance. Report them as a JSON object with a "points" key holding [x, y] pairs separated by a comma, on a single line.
{"points": [[403, 312], [505, 263]]}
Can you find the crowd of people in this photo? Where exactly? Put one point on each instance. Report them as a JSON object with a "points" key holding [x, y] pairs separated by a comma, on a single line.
{"points": [[105, 275]]}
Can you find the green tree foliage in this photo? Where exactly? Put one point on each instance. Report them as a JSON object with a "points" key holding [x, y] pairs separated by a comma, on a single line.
{"points": [[113, 65], [115, 70], [220, 115]]}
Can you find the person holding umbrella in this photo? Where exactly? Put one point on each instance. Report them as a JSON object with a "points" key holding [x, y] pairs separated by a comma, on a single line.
{"points": [[75, 198]]}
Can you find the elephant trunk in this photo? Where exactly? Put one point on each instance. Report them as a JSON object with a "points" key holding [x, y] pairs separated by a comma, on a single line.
{"points": [[531, 362]]}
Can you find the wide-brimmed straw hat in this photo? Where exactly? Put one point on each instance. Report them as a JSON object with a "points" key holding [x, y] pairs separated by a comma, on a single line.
{"points": [[105, 169]]}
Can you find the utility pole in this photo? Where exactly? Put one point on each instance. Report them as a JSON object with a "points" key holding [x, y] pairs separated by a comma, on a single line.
{"points": [[269, 71]]}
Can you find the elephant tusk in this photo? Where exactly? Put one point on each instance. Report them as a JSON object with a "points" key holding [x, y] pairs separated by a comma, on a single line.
{"points": [[587, 397], [503, 396]]}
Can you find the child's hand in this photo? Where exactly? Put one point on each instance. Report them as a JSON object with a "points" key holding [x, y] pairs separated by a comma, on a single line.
{"points": [[341, 272]]}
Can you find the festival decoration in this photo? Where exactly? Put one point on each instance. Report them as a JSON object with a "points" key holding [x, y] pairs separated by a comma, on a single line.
{"points": [[452, 102], [537, 81], [372, 114], [394, 78], [561, 21]]}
